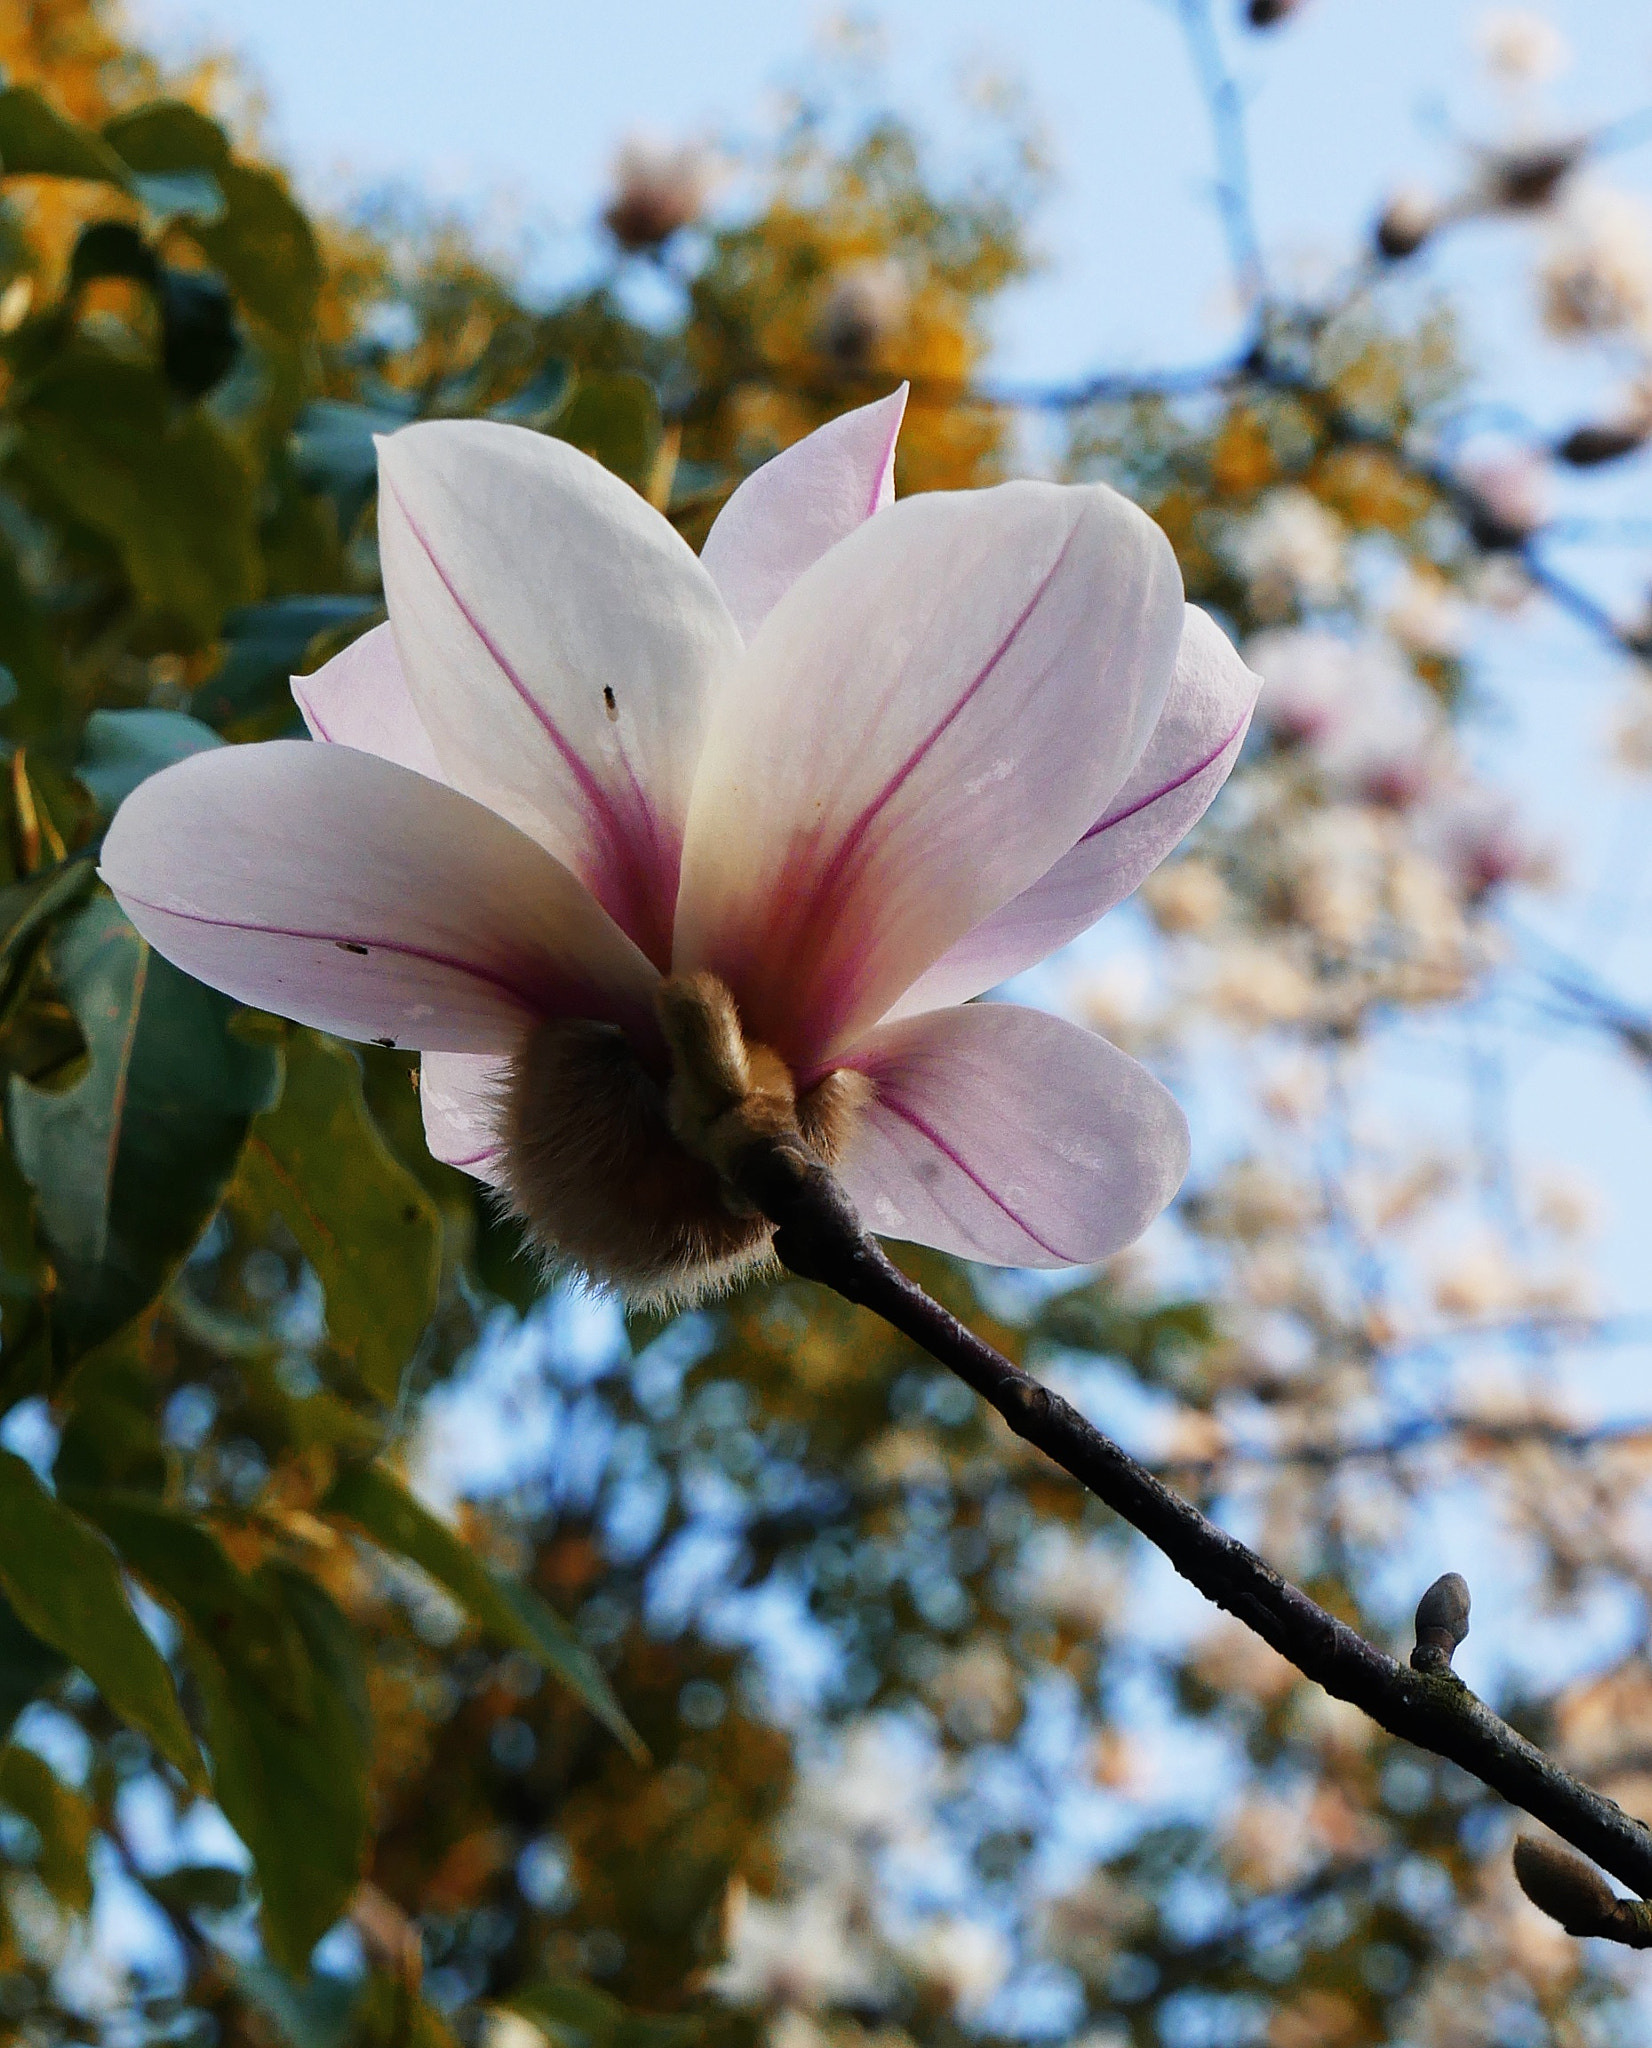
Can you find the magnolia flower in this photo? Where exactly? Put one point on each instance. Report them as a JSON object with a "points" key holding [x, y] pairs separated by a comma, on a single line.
{"points": [[1354, 707], [651, 856]]}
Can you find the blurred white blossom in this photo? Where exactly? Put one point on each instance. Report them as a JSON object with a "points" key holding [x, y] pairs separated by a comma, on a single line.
{"points": [[1596, 277], [966, 1960], [1292, 551], [1521, 47], [1353, 706], [798, 1953]]}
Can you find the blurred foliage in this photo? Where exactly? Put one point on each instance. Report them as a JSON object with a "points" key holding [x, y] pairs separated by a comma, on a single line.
{"points": [[538, 1771]]}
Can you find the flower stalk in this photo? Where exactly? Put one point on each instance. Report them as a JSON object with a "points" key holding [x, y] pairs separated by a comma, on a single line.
{"points": [[820, 1237]]}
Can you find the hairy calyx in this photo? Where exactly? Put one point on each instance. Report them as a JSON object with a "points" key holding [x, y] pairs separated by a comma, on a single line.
{"points": [[631, 1179]]}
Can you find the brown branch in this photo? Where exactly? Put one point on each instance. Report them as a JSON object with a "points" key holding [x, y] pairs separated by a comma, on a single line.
{"points": [[819, 1237]]}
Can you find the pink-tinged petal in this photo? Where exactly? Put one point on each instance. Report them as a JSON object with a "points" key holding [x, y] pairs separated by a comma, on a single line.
{"points": [[788, 513], [460, 1094], [349, 893], [931, 716], [1007, 1135], [360, 699], [560, 642], [1189, 757]]}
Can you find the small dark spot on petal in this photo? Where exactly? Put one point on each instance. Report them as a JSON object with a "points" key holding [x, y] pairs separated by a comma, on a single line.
{"points": [[410, 1214], [610, 701], [388, 1043], [350, 946]]}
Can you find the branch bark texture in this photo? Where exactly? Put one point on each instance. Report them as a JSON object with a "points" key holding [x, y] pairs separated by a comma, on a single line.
{"points": [[820, 1237]]}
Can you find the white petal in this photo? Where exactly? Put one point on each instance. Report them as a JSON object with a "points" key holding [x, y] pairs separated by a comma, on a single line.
{"points": [[360, 699], [460, 1095], [559, 640], [788, 513], [931, 716], [1007, 1135], [1193, 748], [342, 890]]}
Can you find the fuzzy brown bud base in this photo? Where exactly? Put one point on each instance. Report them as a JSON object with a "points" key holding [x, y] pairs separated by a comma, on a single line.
{"points": [[631, 1181]]}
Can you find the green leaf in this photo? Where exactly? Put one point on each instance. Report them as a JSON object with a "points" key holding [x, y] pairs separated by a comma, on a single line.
{"points": [[198, 1888], [25, 1322], [265, 646], [168, 135], [333, 2012], [364, 1223], [200, 338], [333, 451], [295, 1792], [241, 1618], [539, 401], [165, 486], [393, 2015], [61, 1818], [112, 1436], [288, 1731], [383, 1509], [266, 248], [615, 416], [30, 653], [36, 140], [575, 2014], [309, 2012], [28, 907], [112, 248], [27, 1667], [129, 1163], [503, 1257], [63, 1581], [181, 195], [248, 226], [123, 748], [176, 157]]}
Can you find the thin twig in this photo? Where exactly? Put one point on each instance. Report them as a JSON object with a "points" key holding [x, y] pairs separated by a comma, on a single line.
{"points": [[1227, 121], [820, 1238]]}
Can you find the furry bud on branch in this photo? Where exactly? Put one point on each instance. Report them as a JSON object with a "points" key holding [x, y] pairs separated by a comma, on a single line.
{"points": [[1526, 179], [1605, 441], [1569, 1889], [1406, 222], [1442, 1623], [658, 189]]}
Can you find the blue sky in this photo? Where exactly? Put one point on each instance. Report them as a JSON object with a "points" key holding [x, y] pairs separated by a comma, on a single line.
{"points": [[522, 101]]}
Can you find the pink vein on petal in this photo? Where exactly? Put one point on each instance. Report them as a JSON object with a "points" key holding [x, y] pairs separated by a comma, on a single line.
{"points": [[620, 845], [277, 931], [964, 1167], [883, 466], [851, 840], [314, 717], [1170, 788]]}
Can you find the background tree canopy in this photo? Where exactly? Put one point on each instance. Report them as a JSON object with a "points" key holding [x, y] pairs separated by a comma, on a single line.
{"points": [[395, 1652]]}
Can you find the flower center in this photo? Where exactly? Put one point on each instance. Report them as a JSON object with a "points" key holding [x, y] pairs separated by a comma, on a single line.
{"points": [[632, 1181]]}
